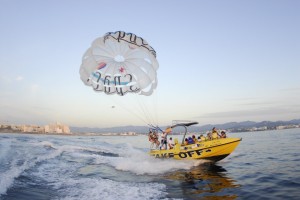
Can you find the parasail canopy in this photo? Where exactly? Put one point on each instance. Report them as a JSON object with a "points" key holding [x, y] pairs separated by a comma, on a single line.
{"points": [[120, 63]]}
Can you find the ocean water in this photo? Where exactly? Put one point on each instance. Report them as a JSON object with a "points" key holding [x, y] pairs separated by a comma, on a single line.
{"points": [[264, 166]]}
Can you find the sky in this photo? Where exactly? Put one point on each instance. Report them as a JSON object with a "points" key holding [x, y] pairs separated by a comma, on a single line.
{"points": [[219, 61]]}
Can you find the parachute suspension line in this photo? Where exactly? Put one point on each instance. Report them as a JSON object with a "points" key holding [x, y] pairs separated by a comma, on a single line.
{"points": [[155, 107], [150, 111], [130, 110], [147, 110], [143, 112], [134, 110], [142, 108]]}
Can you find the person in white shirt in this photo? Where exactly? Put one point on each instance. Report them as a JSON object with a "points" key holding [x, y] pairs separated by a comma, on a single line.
{"points": [[164, 137], [170, 143]]}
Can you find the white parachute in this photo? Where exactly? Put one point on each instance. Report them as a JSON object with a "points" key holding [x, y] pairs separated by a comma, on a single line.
{"points": [[120, 63]]}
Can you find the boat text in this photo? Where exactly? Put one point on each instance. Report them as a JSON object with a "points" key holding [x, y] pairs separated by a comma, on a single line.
{"points": [[181, 154]]}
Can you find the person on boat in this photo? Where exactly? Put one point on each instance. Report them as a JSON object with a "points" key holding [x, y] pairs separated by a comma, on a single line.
{"points": [[215, 133], [164, 137], [202, 138], [162, 145], [163, 140], [186, 141], [190, 140], [223, 134], [153, 138], [150, 138], [170, 143], [208, 136], [194, 138]]}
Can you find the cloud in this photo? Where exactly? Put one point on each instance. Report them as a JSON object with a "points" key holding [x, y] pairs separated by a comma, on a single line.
{"points": [[19, 78], [8, 79], [34, 88], [4, 79], [292, 89], [265, 103]]}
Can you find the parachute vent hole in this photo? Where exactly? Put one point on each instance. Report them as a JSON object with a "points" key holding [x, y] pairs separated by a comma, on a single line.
{"points": [[119, 58]]}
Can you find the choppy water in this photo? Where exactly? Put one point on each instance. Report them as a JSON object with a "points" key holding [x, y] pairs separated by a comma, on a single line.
{"points": [[264, 166]]}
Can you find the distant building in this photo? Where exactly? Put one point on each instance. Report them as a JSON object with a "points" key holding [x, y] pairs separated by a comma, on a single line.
{"points": [[57, 128], [51, 128], [287, 126], [31, 129], [127, 134], [280, 127]]}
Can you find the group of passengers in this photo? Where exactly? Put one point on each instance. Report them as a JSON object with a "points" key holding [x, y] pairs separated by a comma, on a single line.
{"points": [[214, 134], [153, 138], [164, 144]]}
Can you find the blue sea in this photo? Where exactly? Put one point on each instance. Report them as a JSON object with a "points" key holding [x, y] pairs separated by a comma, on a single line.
{"points": [[266, 165]]}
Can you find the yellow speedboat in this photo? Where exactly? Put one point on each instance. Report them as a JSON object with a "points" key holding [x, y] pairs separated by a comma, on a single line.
{"points": [[213, 150]]}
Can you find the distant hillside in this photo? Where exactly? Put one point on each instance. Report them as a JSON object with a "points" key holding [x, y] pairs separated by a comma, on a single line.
{"points": [[230, 125]]}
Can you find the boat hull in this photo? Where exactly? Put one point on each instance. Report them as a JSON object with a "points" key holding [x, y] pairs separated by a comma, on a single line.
{"points": [[213, 150]]}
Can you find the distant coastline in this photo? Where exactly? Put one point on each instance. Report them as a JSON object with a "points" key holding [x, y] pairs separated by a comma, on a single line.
{"points": [[245, 126], [65, 131], [116, 134], [71, 134], [60, 129], [33, 133]]}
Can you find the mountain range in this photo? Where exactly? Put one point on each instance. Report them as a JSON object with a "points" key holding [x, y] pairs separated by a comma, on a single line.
{"points": [[196, 128]]}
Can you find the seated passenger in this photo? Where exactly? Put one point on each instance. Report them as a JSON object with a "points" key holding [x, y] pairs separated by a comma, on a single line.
{"points": [[190, 140], [223, 134], [186, 142], [208, 136], [202, 138], [194, 139], [215, 134]]}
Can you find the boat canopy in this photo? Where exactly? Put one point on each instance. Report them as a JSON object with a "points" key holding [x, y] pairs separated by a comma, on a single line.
{"points": [[184, 124]]}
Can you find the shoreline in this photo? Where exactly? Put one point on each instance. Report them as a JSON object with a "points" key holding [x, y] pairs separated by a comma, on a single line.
{"points": [[116, 134], [62, 134]]}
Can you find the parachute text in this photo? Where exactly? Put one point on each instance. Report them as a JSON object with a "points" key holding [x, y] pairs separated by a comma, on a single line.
{"points": [[130, 38], [113, 84]]}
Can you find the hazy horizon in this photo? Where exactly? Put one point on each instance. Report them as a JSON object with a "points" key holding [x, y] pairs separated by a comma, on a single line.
{"points": [[145, 125]]}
